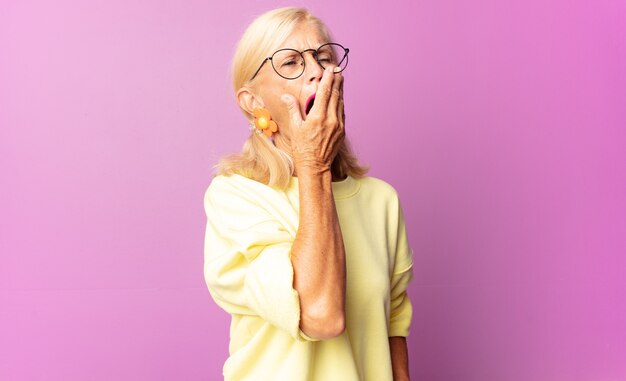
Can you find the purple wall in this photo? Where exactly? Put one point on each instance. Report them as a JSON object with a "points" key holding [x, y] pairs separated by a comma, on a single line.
{"points": [[501, 123]]}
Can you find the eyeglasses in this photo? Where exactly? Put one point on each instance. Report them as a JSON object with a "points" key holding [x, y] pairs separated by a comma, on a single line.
{"points": [[290, 63]]}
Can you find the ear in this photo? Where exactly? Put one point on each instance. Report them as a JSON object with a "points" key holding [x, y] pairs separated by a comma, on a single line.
{"points": [[248, 100]]}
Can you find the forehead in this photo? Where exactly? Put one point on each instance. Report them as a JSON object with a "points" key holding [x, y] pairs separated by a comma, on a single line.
{"points": [[306, 35]]}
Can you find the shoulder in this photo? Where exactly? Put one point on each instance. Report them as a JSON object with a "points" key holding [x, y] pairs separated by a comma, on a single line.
{"points": [[233, 182], [377, 184], [233, 192], [224, 188], [239, 195], [374, 196], [377, 187]]}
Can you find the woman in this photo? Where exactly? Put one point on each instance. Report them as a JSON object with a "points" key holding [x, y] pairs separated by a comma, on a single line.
{"points": [[308, 255]]}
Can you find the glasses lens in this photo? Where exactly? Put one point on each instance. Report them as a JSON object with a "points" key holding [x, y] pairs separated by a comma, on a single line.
{"points": [[288, 63], [332, 55]]}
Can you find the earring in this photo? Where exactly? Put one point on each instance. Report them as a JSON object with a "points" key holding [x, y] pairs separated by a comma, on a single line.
{"points": [[263, 122]]}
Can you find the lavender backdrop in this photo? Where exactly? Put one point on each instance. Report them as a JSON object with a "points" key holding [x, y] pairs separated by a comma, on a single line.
{"points": [[501, 123]]}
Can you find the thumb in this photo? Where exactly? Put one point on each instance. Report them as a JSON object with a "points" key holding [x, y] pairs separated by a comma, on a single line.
{"points": [[294, 111]]}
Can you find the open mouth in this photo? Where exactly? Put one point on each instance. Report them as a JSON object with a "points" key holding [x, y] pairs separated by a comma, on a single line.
{"points": [[309, 103]]}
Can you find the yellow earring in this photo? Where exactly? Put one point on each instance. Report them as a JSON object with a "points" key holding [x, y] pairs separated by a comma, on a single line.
{"points": [[263, 122]]}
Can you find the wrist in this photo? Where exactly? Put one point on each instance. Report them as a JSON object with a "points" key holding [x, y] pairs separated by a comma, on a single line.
{"points": [[312, 168], [316, 177]]}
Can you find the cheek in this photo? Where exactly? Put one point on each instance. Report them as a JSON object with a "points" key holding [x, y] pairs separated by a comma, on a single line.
{"points": [[279, 110], [281, 116]]}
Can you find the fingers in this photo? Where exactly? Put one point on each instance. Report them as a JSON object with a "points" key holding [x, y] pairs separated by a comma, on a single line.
{"points": [[341, 115], [292, 106], [336, 95], [324, 91]]}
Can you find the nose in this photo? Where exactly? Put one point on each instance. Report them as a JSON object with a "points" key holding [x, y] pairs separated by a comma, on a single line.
{"points": [[313, 69]]}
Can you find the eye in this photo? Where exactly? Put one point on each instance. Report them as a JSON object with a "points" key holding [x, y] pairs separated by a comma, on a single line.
{"points": [[288, 58], [325, 56], [289, 62]]}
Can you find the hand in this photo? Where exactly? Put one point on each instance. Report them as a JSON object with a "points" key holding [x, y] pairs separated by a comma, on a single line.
{"points": [[316, 140]]}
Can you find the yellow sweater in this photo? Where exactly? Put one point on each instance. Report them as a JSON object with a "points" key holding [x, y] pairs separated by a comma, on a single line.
{"points": [[250, 230]]}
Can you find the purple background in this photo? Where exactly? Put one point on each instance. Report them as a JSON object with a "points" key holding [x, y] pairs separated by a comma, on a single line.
{"points": [[501, 123]]}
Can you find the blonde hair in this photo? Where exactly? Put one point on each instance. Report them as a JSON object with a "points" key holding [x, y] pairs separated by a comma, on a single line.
{"points": [[260, 159]]}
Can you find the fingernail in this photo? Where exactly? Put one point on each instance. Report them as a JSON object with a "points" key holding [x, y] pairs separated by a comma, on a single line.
{"points": [[285, 98]]}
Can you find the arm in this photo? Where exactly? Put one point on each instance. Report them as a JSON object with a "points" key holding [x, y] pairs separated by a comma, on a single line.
{"points": [[318, 255], [399, 358], [318, 259], [400, 304]]}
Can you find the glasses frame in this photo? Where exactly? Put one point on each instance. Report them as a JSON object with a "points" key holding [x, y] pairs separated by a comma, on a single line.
{"points": [[315, 55]]}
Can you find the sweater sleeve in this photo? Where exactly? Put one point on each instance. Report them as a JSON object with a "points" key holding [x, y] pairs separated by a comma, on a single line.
{"points": [[247, 265], [400, 306]]}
